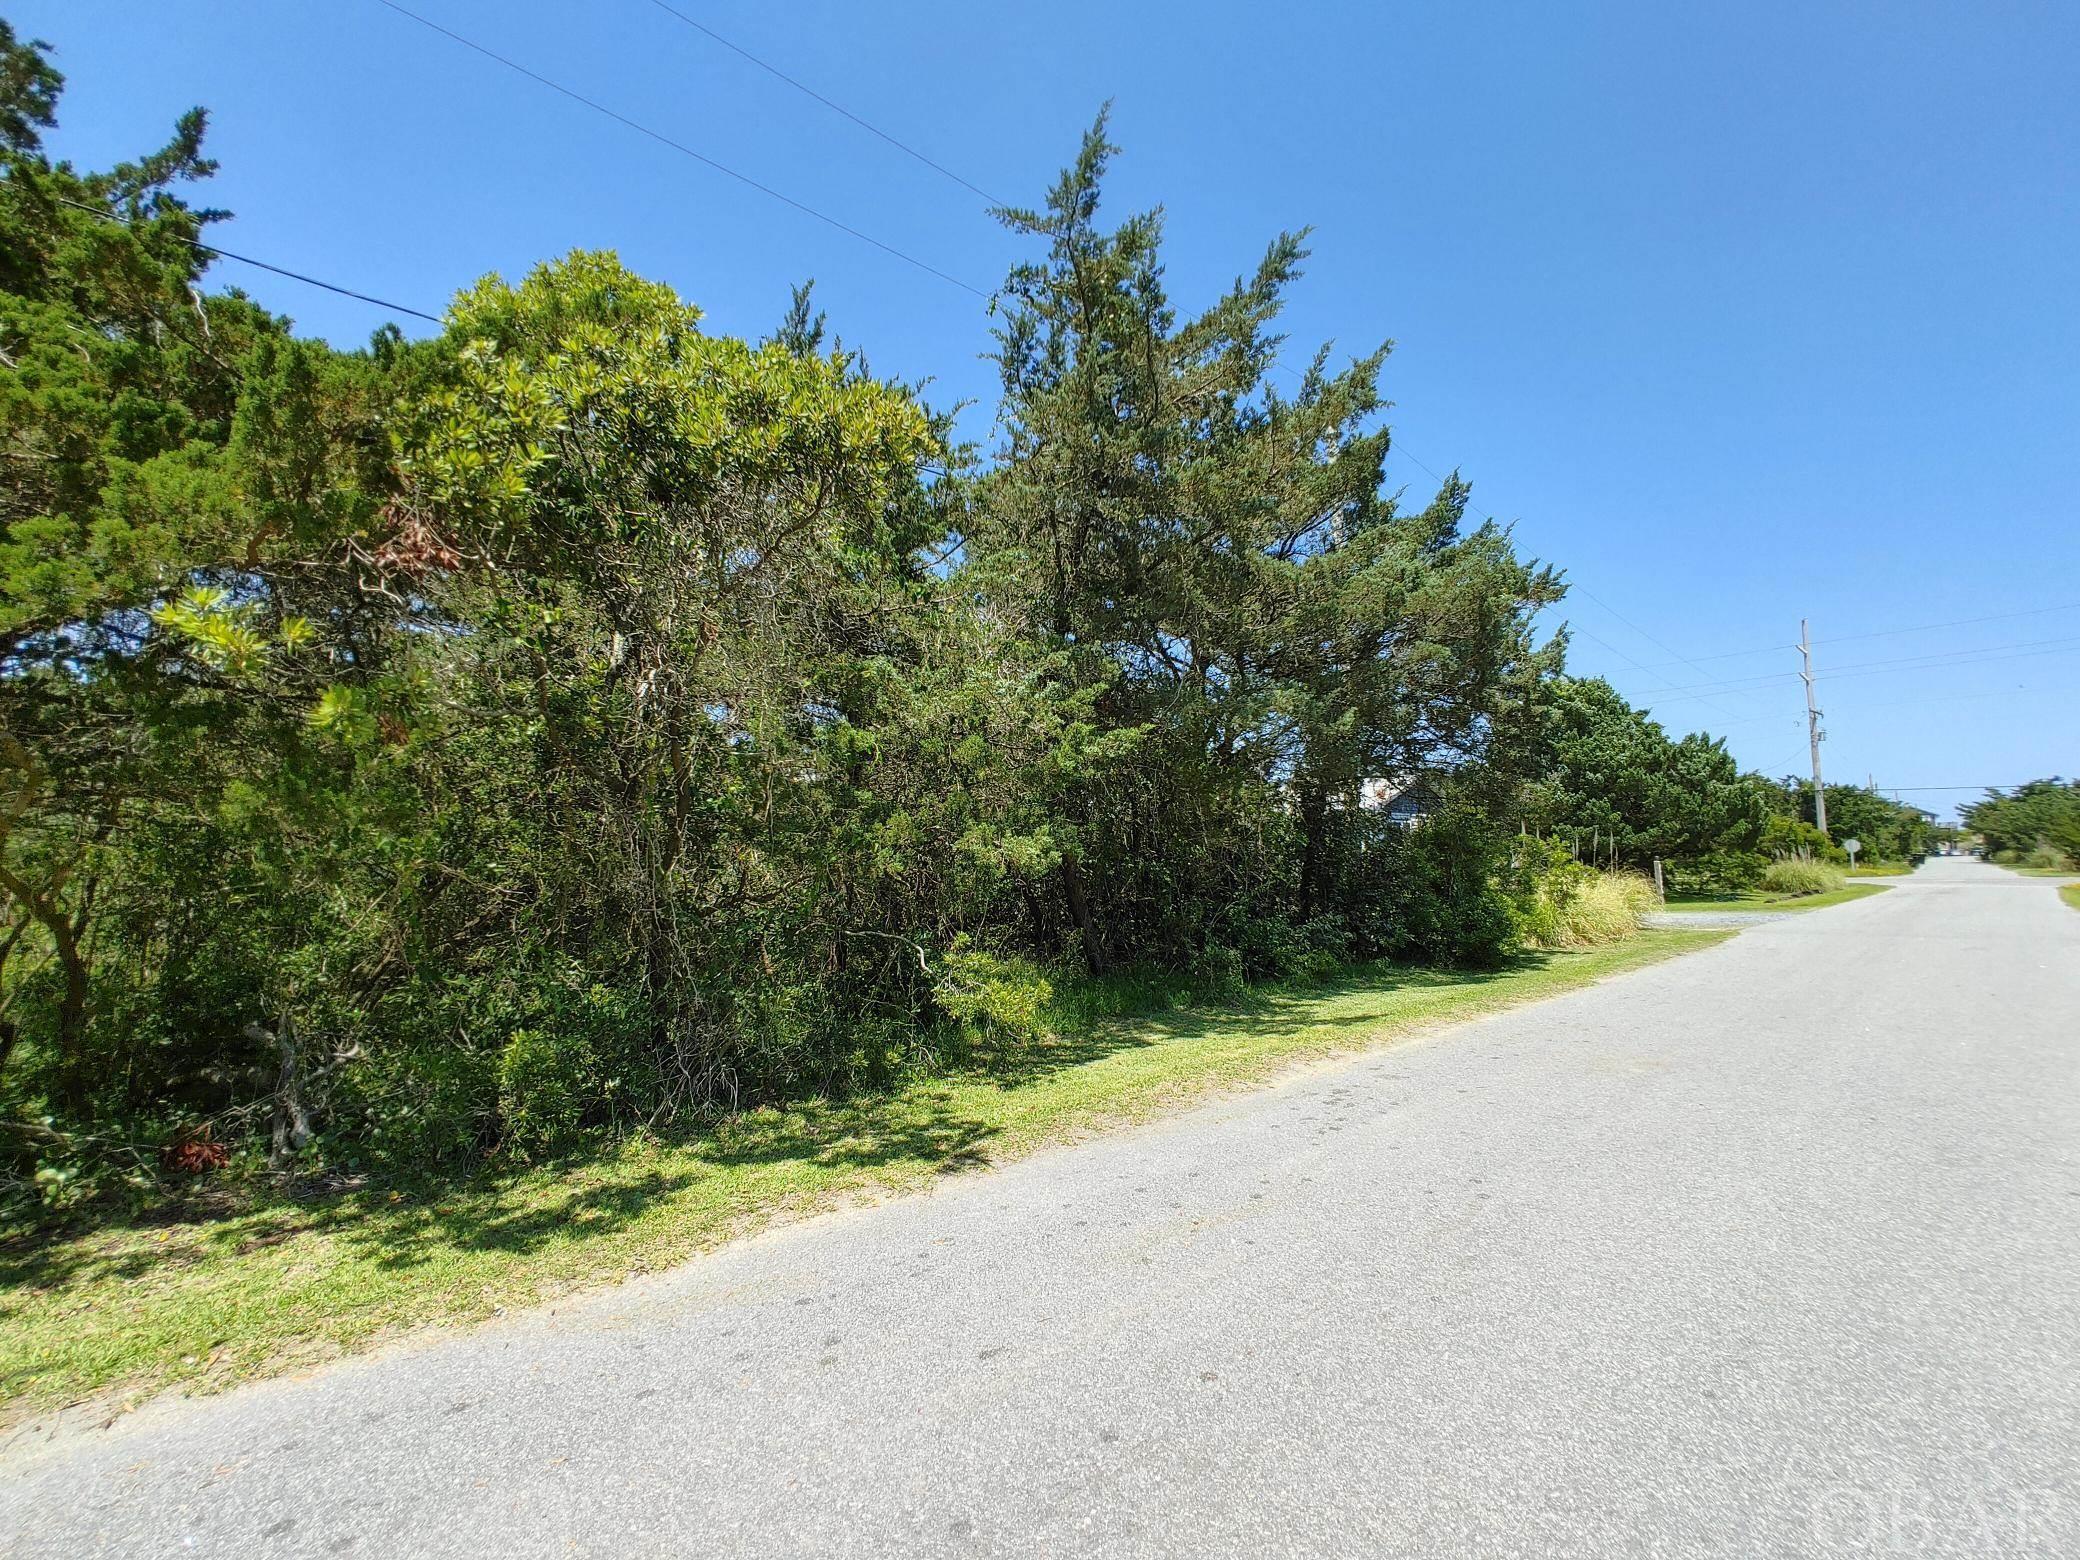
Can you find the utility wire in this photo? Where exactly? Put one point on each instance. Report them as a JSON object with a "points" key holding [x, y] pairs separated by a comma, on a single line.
{"points": [[1978, 696], [1886, 633], [1894, 670], [1775, 771], [1700, 691], [1592, 596], [680, 147], [2018, 785], [836, 108], [1933, 661], [911, 151], [279, 270]]}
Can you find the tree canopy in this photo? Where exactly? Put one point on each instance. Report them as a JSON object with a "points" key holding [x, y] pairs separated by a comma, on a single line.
{"points": [[581, 719]]}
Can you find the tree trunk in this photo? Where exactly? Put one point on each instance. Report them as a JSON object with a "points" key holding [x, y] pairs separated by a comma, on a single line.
{"points": [[1080, 911], [1314, 819], [292, 1118], [72, 1006]]}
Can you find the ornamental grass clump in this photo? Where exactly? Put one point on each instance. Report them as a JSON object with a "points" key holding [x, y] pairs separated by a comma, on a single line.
{"points": [[1795, 879], [1606, 908]]}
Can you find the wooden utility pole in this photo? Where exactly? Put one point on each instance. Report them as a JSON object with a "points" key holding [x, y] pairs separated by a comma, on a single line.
{"points": [[1814, 735]]}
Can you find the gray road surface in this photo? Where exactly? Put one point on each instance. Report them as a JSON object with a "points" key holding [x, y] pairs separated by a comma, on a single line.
{"points": [[1771, 1250]]}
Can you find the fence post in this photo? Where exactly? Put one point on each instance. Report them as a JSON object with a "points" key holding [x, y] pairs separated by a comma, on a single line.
{"points": [[1660, 888]]}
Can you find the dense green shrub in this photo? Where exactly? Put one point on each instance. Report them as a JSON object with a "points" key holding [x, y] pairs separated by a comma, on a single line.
{"points": [[1727, 871], [1430, 894], [546, 1083], [1216, 973], [1791, 839], [583, 718], [1005, 997]]}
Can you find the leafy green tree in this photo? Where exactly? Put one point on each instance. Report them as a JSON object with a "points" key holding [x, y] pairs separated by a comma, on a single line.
{"points": [[692, 557], [2042, 814], [116, 393], [1884, 829], [580, 718], [1217, 563], [1612, 783], [186, 496]]}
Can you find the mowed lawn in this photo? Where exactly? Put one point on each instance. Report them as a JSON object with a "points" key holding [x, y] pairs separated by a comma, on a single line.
{"points": [[1757, 900], [206, 1297]]}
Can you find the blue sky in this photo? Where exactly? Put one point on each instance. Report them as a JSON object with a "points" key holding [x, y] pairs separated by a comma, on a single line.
{"points": [[1742, 314]]}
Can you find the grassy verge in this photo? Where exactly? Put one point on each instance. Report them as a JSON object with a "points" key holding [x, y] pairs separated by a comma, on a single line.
{"points": [[2071, 895], [1762, 901], [1879, 869], [2039, 872], [208, 1301]]}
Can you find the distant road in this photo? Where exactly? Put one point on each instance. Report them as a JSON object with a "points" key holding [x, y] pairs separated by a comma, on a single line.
{"points": [[1772, 1250]]}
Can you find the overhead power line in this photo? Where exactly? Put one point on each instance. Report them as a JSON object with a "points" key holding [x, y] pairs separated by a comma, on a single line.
{"points": [[2018, 785], [1880, 633], [1701, 692], [1932, 661], [1598, 600], [1925, 628], [836, 108], [1976, 696], [278, 270], [680, 147]]}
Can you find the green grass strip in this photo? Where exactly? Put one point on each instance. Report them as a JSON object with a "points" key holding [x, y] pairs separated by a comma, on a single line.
{"points": [[206, 1301], [1761, 901]]}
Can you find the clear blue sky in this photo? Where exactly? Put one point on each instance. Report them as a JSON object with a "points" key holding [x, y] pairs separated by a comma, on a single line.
{"points": [[1741, 313]]}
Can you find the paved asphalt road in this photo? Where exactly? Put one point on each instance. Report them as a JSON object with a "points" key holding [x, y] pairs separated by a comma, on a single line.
{"points": [[1774, 1249]]}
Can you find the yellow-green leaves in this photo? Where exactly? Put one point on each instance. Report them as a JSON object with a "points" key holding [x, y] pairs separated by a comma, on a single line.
{"points": [[347, 714], [585, 406], [228, 635], [215, 631]]}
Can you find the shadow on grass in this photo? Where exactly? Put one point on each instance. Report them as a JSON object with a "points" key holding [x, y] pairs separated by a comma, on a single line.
{"points": [[825, 1141], [1257, 1013], [803, 1144]]}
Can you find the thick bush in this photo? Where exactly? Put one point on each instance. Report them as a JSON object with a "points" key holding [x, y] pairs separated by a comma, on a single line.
{"points": [[1728, 871], [1004, 997], [545, 1082], [1216, 972], [1789, 838], [1443, 905]]}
